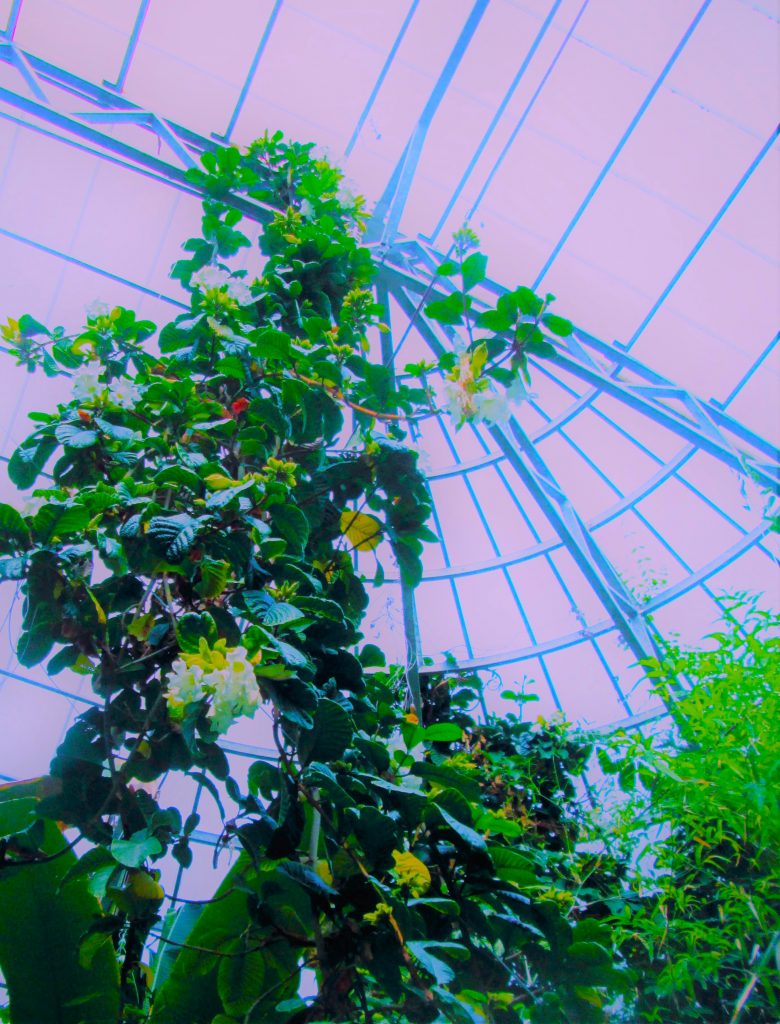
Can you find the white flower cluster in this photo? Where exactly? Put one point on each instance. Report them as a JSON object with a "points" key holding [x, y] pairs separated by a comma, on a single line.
{"points": [[87, 387], [212, 277], [487, 406], [223, 676]]}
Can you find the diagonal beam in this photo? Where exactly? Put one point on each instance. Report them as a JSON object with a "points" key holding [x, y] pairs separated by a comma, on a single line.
{"points": [[387, 214], [569, 526], [696, 420], [704, 423]]}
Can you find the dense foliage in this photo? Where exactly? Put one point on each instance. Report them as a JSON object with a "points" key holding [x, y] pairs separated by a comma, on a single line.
{"points": [[702, 921], [203, 513], [193, 552]]}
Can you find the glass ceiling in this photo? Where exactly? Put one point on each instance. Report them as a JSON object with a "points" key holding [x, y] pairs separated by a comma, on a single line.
{"points": [[619, 153]]}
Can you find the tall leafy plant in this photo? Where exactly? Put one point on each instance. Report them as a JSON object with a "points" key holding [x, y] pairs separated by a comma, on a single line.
{"points": [[701, 822], [199, 507]]}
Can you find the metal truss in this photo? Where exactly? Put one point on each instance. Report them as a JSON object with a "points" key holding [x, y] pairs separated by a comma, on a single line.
{"points": [[408, 275]]}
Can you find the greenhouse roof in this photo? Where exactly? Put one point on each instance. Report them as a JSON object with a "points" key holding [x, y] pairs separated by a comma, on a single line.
{"points": [[621, 155]]}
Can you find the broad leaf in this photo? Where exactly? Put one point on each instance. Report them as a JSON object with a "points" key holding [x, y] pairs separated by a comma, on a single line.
{"points": [[40, 933]]}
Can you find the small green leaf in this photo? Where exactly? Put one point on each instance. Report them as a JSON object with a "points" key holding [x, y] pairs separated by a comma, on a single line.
{"points": [[191, 627], [446, 311], [426, 953], [134, 851], [443, 732], [557, 325], [474, 270]]}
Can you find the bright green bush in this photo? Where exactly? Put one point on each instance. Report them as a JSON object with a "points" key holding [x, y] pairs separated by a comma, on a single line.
{"points": [[702, 921]]}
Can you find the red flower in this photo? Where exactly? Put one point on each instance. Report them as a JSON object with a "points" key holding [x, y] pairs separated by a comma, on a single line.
{"points": [[240, 405], [84, 415]]}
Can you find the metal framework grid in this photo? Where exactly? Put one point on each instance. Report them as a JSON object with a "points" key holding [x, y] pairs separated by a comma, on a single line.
{"points": [[586, 369]]}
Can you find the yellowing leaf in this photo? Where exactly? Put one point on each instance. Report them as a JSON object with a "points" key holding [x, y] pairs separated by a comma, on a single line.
{"points": [[145, 887], [410, 870], [101, 615], [362, 531], [219, 482], [323, 870], [141, 627]]}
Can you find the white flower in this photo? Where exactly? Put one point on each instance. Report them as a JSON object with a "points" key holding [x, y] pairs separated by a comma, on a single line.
{"points": [[213, 277], [486, 406], [225, 677], [97, 309], [307, 210], [124, 393], [209, 277], [184, 684], [86, 382]]}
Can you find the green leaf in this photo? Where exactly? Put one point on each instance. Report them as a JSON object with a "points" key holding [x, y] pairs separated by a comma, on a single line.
{"points": [[291, 525], [495, 320], [443, 732], [448, 778], [538, 347], [11, 522], [190, 995], [240, 978], [280, 613], [215, 574], [446, 311], [40, 931], [513, 866], [330, 735], [138, 848], [179, 475], [426, 953], [72, 436], [176, 533], [447, 269], [34, 645], [29, 327], [17, 808], [27, 462], [55, 521], [464, 832], [191, 627], [527, 301], [557, 325], [114, 430], [474, 269]]}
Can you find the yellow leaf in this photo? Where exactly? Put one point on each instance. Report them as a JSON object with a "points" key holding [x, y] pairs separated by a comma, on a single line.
{"points": [[101, 615], [141, 627], [362, 531], [410, 870], [219, 482], [323, 870], [145, 887]]}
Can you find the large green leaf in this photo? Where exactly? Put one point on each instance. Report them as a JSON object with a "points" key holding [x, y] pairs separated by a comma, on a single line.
{"points": [[11, 522], [190, 994], [26, 463], [290, 524], [40, 931], [330, 735], [202, 985]]}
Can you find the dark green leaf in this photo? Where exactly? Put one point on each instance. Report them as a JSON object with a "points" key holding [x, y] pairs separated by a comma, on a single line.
{"points": [[330, 735]]}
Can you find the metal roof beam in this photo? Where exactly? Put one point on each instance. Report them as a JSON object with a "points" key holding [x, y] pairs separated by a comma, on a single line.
{"points": [[387, 214]]}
